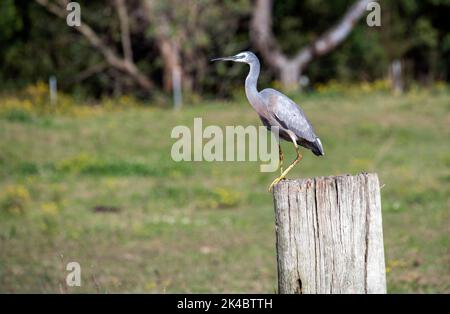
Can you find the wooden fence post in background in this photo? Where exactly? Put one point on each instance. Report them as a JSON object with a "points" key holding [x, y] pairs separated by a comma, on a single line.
{"points": [[329, 235]]}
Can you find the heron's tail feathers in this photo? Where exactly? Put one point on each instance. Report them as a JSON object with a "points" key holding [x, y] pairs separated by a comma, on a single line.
{"points": [[317, 148]]}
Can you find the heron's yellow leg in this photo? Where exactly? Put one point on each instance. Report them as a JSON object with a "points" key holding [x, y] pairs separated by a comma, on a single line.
{"points": [[285, 172], [281, 155]]}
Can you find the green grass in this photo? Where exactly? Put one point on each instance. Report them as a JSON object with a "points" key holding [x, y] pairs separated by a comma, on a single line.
{"points": [[208, 227]]}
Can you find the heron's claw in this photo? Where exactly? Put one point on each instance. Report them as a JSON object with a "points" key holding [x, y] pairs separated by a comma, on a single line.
{"points": [[274, 182]]}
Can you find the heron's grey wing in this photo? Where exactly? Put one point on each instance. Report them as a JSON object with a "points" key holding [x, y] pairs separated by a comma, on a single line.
{"points": [[288, 114]]}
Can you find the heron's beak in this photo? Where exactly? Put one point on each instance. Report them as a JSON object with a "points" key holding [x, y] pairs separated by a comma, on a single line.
{"points": [[232, 58]]}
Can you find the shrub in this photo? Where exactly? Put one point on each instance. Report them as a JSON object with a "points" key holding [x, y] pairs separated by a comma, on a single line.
{"points": [[75, 164], [225, 198], [14, 199]]}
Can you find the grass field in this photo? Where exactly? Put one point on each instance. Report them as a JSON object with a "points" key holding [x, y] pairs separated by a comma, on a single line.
{"points": [[102, 190]]}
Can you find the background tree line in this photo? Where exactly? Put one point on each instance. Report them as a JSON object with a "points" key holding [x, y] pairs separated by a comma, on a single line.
{"points": [[136, 46]]}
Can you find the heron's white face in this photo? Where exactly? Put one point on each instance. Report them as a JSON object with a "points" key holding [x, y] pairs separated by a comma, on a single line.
{"points": [[242, 57]]}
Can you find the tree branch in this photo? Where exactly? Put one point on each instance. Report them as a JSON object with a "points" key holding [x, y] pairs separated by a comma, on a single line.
{"points": [[334, 36], [96, 68], [109, 54], [289, 69]]}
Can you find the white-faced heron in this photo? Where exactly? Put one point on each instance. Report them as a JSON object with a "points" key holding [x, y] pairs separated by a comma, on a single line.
{"points": [[277, 110]]}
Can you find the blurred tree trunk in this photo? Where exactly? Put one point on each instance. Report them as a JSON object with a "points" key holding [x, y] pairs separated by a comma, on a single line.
{"points": [[167, 43], [170, 53], [396, 76], [124, 30], [289, 69]]}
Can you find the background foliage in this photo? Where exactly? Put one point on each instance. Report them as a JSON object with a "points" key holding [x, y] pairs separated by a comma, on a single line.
{"points": [[35, 44]]}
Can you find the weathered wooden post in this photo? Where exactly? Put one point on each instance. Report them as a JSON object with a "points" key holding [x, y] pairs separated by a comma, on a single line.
{"points": [[329, 235]]}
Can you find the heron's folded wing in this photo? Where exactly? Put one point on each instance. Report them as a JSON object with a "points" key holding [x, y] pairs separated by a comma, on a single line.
{"points": [[288, 114]]}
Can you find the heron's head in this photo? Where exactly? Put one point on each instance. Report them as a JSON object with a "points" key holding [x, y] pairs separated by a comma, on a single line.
{"points": [[245, 56]]}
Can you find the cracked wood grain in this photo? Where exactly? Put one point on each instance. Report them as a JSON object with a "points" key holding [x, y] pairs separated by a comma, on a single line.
{"points": [[329, 235]]}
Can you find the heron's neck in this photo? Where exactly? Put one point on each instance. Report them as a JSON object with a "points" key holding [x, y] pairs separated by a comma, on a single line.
{"points": [[251, 83]]}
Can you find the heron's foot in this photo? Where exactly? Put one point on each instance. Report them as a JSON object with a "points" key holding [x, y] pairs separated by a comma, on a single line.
{"points": [[285, 172], [276, 181]]}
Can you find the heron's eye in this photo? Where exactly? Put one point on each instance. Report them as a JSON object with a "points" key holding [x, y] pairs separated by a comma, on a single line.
{"points": [[240, 56]]}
